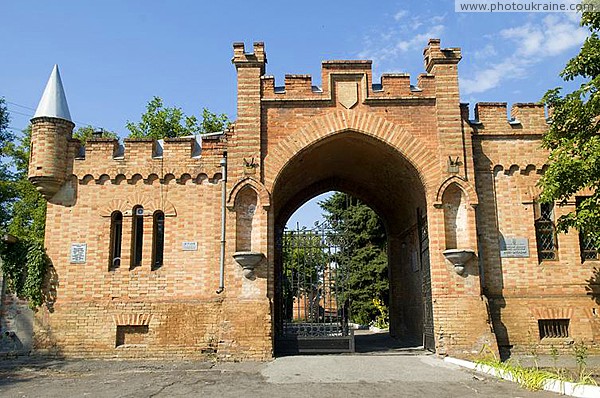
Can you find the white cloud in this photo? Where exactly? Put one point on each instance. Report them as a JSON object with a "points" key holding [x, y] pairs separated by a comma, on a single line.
{"points": [[437, 18], [390, 45], [552, 37], [416, 24], [408, 32], [491, 77], [400, 14], [531, 43], [488, 51], [562, 35], [529, 40]]}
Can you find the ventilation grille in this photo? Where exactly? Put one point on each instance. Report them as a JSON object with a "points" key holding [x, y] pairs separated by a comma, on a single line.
{"points": [[553, 328]]}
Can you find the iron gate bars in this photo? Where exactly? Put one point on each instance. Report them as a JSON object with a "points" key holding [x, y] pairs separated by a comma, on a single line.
{"points": [[311, 284]]}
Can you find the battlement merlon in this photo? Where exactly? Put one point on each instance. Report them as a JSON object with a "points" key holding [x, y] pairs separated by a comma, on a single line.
{"points": [[491, 118], [434, 55], [393, 85], [146, 156], [255, 59], [344, 67]]}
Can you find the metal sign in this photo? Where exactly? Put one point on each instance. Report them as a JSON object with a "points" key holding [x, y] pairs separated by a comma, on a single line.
{"points": [[514, 247], [189, 246], [78, 253]]}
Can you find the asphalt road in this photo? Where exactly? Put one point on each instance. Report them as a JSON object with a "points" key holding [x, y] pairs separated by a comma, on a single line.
{"points": [[415, 375]]}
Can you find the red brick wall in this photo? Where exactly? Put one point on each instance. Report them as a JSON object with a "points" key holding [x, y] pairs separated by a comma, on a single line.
{"points": [[389, 146]]}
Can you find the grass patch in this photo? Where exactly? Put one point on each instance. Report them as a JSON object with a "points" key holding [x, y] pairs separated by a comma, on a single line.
{"points": [[534, 378]]}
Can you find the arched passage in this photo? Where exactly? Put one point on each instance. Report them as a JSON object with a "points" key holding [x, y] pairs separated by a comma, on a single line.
{"points": [[378, 174]]}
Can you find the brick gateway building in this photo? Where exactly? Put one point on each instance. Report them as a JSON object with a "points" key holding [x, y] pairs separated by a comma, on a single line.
{"points": [[135, 231]]}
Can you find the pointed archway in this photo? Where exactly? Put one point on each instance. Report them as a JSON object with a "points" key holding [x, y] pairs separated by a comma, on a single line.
{"points": [[378, 174]]}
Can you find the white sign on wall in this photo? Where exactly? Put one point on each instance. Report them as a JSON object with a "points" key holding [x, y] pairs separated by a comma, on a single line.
{"points": [[78, 253], [189, 246], [514, 247]]}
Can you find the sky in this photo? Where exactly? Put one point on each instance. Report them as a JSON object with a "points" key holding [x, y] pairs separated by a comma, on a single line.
{"points": [[114, 56]]}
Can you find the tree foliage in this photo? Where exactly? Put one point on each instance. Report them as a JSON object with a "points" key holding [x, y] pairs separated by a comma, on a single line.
{"points": [[6, 190], [304, 275], [573, 137], [84, 133], [363, 255], [163, 122], [28, 209], [24, 263]]}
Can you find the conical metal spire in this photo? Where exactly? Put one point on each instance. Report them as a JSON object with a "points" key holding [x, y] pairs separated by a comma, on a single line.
{"points": [[54, 101]]}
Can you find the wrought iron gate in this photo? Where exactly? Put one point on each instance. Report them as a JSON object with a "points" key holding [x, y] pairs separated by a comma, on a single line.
{"points": [[312, 313], [428, 329]]}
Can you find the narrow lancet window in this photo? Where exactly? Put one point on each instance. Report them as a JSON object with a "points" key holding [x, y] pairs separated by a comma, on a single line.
{"points": [[545, 232], [158, 239], [137, 236], [587, 246], [116, 234]]}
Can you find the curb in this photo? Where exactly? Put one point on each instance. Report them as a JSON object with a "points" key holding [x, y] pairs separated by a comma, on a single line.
{"points": [[552, 385]]}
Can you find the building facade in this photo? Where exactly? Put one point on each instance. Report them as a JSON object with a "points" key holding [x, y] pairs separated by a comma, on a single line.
{"points": [[142, 235]]}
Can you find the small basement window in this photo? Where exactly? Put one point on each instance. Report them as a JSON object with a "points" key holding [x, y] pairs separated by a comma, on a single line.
{"points": [[553, 328], [131, 335]]}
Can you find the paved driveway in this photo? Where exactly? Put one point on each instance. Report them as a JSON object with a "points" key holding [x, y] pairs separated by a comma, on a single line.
{"points": [[300, 376]]}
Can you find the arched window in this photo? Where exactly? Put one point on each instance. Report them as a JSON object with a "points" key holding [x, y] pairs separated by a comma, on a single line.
{"points": [[545, 232], [137, 236], [158, 239], [116, 233]]}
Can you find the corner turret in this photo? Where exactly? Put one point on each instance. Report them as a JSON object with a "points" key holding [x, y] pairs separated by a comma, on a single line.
{"points": [[51, 131]]}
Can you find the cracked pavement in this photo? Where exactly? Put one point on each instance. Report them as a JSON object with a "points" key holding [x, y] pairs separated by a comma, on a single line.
{"points": [[319, 375]]}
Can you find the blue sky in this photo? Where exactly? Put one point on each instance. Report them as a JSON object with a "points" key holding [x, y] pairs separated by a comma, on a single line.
{"points": [[115, 55]]}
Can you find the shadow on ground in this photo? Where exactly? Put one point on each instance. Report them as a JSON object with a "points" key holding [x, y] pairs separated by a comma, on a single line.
{"points": [[14, 370], [381, 343]]}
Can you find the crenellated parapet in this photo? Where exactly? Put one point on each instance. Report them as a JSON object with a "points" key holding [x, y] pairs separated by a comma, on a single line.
{"points": [[243, 59], [491, 118], [393, 86], [508, 144], [182, 160]]}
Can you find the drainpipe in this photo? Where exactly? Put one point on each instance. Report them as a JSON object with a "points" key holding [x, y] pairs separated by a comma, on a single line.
{"points": [[223, 164]]}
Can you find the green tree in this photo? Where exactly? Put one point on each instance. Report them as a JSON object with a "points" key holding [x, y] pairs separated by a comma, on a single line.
{"points": [[6, 189], [212, 123], [24, 263], [28, 210], [84, 133], [573, 137], [163, 122], [363, 255], [305, 262]]}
